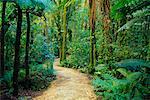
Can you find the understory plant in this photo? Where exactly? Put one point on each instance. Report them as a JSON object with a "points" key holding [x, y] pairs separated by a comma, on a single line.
{"points": [[123, 82]]}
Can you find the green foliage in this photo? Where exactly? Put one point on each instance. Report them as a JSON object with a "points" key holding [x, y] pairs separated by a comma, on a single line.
{"points": [[25, 3], [121, 8], [133, 64], [121, 84], [41, 56], [130, 33], [128, 38], [7, 79], [79, 52], [39, 4], [78, 48], [102, 69], [41, 50], [41, 75]]}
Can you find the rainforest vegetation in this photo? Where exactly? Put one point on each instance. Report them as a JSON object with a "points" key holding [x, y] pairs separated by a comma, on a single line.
{"points": [[106, 39]]}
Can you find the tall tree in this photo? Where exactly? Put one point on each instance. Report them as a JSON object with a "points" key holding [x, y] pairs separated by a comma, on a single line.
{"points": [[17, 50], [59, 28], [92, 20], [106, 25], [64, 34], [66, 15], [27, 45], [2, 34], [59, 34]]}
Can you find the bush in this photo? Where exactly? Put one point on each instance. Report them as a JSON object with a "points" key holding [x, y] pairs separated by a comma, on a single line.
{"points": [[41, 75]]}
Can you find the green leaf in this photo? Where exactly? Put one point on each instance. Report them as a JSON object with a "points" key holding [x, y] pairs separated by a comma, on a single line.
{"points": [[25, 4], [134, 76], [123, 71]]}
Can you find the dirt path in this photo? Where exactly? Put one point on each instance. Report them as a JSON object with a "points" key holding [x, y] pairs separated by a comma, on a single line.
{"points": [[69, 85]]}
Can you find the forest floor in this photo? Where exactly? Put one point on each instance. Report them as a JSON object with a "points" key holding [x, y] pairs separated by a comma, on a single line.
{"points": [[69, 85]]}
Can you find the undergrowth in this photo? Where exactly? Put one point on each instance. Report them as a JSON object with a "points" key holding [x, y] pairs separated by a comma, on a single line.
{"points": [[41, 76], [128, 79]]}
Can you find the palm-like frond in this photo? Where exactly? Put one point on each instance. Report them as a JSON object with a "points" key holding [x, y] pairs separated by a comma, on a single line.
{"points": [[133, 64], [137, 16]]}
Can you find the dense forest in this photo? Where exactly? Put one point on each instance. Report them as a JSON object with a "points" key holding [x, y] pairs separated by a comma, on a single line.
{"points": [[108, 40]]}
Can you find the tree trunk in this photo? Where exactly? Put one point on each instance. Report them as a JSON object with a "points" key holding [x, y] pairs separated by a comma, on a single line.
{"points": [[92, 4], [106, 26], [59, 35], [17, 50], [2, 34], [27, 45], [46, 29], [64, 35], [60, 43]]}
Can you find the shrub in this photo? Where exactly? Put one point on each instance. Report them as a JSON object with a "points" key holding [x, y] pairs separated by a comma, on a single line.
{"points": [[41, 75]]}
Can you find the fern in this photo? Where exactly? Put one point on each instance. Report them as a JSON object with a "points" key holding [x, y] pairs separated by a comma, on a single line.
{"points": [[130, 86], [133, 64], [123, 71]]}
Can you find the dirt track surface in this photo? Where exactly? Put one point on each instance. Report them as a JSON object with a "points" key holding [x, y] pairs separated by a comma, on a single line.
{"points": [[69, 85]]}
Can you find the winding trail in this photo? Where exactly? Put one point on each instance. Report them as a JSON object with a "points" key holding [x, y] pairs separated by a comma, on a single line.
{"points": [[69, 85]]}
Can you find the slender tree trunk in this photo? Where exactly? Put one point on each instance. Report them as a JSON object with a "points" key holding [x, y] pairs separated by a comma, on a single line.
{"points": [[146, 43], [85, 24], [32, 38], [59, 35], [92, 4], [60, 43], [17, 50], [46, 29], [70, 35], [64, 34], [2, 34], [27, 45]]}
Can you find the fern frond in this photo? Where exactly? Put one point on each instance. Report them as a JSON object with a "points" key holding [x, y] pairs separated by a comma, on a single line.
{"points": [[133, 64]]}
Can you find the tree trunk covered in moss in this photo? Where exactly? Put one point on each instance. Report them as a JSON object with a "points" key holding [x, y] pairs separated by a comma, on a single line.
{"points": [[92, 20], [2, 34], [17, 50], [106, 26], [64, 36]]}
